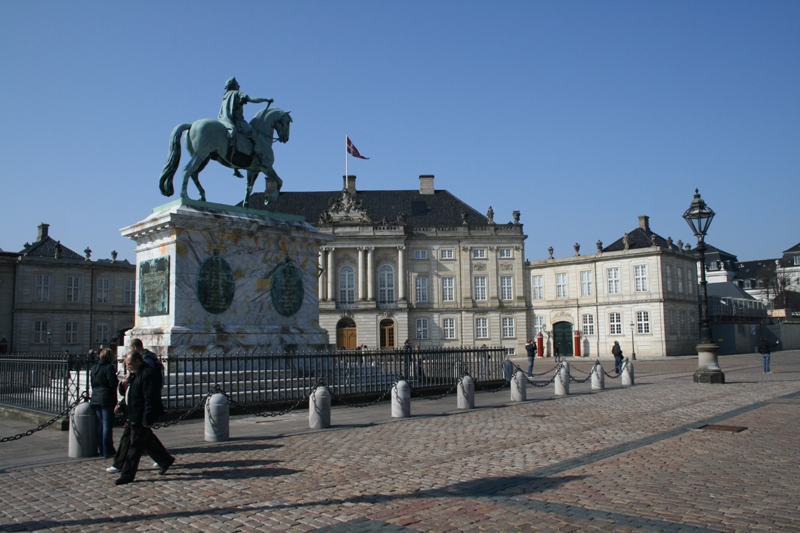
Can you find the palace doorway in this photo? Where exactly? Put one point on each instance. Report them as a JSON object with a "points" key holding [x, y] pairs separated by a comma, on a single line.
{"points": [[346, 334], [388, 337], [562, 338]]}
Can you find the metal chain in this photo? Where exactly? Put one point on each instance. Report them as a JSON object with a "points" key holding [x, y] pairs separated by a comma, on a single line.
{"points": [[267, 414], [185, 415], [435, 398], [62, 414], [361, 405]]}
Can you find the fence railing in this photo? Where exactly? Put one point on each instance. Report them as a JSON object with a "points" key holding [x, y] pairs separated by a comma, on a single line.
{"points": [[41, 382], [50, 384]]}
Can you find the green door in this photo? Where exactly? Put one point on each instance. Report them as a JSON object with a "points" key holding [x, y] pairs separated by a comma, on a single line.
{"points": [[562, 338]]}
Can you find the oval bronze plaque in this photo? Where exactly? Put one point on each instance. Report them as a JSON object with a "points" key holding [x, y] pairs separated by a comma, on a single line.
{"points": [[287, 289], [215, 284]]}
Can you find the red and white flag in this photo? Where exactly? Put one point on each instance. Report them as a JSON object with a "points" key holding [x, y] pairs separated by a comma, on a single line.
{"points": [[352, 150]]}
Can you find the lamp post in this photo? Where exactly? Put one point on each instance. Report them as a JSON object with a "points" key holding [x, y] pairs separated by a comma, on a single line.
{"points": [[699, 217], [633, 344], [49, 334]]}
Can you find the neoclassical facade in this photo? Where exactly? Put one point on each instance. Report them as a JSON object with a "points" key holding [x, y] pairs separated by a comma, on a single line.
{"points": [[55, 299], [415, 264], [641, 291]]}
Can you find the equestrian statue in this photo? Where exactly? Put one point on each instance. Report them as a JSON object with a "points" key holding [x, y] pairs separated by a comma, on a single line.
{"points": [[230, 141]]}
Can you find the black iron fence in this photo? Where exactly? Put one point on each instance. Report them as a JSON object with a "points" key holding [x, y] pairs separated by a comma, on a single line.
{"points": [[50, 384]]}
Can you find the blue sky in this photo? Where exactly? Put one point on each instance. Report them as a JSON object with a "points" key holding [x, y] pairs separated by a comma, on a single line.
{"points": [[580, 114]]}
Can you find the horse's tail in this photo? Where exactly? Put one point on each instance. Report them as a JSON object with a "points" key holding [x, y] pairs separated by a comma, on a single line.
{"points": [[173, 160]]}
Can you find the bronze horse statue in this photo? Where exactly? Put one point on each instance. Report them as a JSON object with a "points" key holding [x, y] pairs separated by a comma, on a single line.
{"points": [[208, 139]]}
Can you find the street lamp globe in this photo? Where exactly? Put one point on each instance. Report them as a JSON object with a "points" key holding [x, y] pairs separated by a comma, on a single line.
{"points": [[699, 216]]}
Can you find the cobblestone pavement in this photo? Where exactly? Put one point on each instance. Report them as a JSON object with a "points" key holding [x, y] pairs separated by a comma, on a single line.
{"points": [[621, 459]]}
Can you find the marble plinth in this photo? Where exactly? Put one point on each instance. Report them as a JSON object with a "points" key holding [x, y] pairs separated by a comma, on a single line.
{"points": [[205, 276]]}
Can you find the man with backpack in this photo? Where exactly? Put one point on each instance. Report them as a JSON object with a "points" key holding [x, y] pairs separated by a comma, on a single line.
{"points": [[765, 349]]}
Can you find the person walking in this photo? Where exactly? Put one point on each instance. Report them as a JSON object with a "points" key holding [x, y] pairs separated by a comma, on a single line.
{"points": [[616, 350], [530, 347], [104, 397], [765, 348], [143, 407]]}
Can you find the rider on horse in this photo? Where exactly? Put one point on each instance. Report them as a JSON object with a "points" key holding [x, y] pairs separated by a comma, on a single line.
{"points": [[232, 116]]}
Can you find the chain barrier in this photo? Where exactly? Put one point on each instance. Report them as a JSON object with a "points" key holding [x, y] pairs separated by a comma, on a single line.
{"points": [[185, 415], [449, 391], [362, 405], [83, 397], [540, 385], [267, 414]]}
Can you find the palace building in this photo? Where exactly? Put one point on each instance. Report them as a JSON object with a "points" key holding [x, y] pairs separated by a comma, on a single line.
{"points": [[414, 264]]}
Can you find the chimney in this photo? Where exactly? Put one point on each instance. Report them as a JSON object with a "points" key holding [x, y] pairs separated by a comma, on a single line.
{"points": [[42, 232], [350, 183], [426, 184], [644, 222]]}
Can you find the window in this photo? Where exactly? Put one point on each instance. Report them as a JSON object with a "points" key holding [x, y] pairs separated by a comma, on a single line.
{"points": [[506, 288], [422, 328], [421, 289], [508, 326], [561, 285], [40, 332], [479, 287], [449, 328], [683, 322], [669, 278], [538, 325], [588, 324], [612, 274], [796, 260], [101, 333], [690, 284], [102, 291], [640, 278], [347, 285], [386, 285], [420, 254], [481, 328], [642, 322], [130, 291], [448, 289], [586, 283], [538, 287], [73, 289], [71, 332], [446, 253], [673, 324], [679, 277], [693, 323], [42, 288], [505, 253], [614, 324], [479, 253]]}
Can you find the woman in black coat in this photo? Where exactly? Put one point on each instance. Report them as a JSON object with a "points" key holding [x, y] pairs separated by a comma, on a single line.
{"points": [[104, 398]]}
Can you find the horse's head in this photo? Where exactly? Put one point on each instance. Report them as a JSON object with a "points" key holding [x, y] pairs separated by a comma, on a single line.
{"points": [[267, 120]]}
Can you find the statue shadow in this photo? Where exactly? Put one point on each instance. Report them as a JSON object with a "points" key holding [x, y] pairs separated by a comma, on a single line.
{"points": [[518, 485], [230, 446]]}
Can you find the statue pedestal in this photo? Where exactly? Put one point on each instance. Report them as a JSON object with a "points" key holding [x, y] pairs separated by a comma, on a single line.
{"points": [[212, 277], [708, 370]]}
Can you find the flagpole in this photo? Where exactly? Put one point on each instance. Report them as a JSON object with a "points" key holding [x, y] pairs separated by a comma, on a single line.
{"points": [[345, 159]]}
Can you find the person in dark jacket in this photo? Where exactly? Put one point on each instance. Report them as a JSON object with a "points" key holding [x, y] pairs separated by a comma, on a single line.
{"points": [[104, 398], [616, 351], [765, 349], [143, 407], [530, 348]]}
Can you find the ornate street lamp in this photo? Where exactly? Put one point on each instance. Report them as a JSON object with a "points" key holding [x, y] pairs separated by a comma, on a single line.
{"points": [[699, 217], [633, 343]]}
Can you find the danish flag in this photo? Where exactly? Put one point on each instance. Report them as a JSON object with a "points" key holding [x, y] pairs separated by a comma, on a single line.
{"points": [[352, 150]]}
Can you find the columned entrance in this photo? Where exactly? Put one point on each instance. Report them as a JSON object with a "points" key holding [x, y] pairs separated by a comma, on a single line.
{"points": [[562, 338], [387, 334], [346, 334]]}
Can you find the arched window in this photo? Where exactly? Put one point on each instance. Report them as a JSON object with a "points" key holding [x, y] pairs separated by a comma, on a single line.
{"points": [[386, 294], [347, 285]]}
